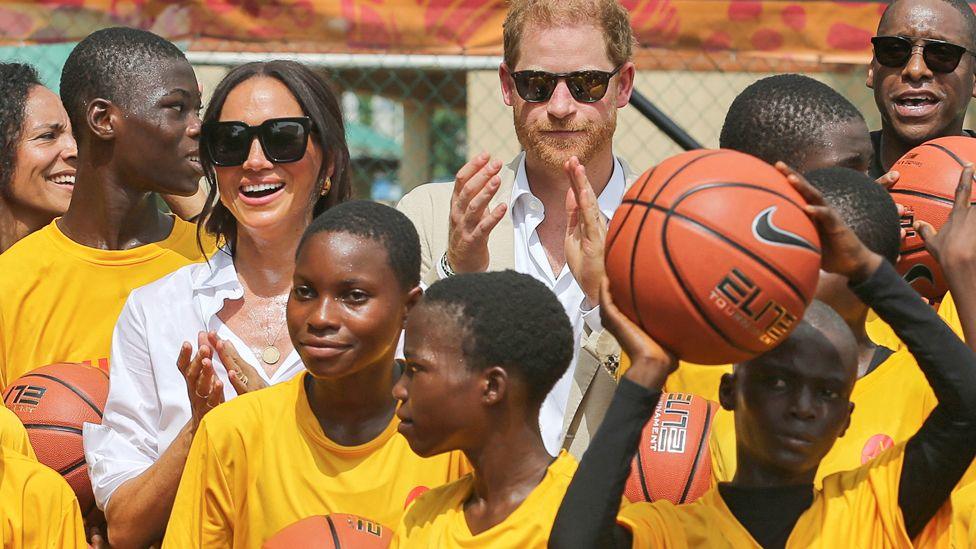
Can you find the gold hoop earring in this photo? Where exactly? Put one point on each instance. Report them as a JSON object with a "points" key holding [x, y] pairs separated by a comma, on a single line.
{"points": [[327, 186]]}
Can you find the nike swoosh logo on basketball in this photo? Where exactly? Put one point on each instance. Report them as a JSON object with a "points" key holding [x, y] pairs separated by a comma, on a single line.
{"points": [[764, 230], [917, 272]]}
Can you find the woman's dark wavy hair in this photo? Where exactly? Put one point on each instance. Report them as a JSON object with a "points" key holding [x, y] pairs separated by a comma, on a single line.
{"points": [[318, 102], [16, 82]]}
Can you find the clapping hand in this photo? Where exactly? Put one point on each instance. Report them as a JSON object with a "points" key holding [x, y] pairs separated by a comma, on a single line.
{"points": [[586, 231], [243, 377], [203, 386], [470, 220]]}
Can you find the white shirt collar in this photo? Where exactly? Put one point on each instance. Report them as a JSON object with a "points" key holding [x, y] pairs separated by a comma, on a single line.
{"points": [[608, 200], [213, 282]]}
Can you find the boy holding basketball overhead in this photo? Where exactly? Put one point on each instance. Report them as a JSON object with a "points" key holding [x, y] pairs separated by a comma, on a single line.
{"points": [[791, 404], [891, 396], [327, 440], [474, 381], [138, 134], [807, 125]]}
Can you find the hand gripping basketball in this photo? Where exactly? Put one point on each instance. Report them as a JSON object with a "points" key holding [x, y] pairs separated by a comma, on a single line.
{"points": [[842, 252], [471, 221], [954, 246]]}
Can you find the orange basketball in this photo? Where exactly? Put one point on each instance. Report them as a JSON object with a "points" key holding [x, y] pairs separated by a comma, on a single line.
{"points": [[335, 531], [53, 402], [711, 253], [928, 176], [673, 462]]}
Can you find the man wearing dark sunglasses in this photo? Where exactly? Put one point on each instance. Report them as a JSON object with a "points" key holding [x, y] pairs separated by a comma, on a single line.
{"points": [[922, 74], [566, 71]]}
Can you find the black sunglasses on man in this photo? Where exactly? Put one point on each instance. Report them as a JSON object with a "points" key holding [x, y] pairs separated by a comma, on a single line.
{"points": [[940, 56], [588, 86]]}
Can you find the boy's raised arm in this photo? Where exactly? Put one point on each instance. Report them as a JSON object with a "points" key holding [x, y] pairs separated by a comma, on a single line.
{"points": [[937, 456], [587, 516]]}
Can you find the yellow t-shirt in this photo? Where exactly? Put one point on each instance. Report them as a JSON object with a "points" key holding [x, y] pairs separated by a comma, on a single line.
{"points": [[881, 333], [61, 299], [704, 380], [436, 519], [890, 405], [856, 508], [949, 313], [13, 435], [963, 519], [697, 379], [37, 507], [261, 462]]}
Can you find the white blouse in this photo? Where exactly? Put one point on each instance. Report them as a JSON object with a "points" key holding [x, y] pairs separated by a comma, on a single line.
{"points": [[147, 400]]}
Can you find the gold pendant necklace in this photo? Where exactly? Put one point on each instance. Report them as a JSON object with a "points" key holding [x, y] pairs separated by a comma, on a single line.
{"points": [[270, 355]]}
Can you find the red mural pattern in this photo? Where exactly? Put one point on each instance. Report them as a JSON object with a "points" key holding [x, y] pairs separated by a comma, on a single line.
{"points": [[773, 28]]}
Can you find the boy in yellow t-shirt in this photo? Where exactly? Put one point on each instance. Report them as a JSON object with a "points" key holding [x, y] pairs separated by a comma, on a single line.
{"points": [[13, 435], [790, 404], [138, 134], [482, 352], [891, 396], [327, 441], [37, 507]]}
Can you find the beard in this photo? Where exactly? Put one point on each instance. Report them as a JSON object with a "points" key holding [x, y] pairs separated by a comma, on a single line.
{"points": [[553, 151]]}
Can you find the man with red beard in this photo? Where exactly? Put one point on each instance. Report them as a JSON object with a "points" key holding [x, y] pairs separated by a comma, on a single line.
{"points": [[565, 73], [922, 74]]}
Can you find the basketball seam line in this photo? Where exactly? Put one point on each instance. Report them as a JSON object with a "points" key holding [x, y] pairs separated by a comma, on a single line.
{"points": [[921, 194], [332, 530], [640, 476], [688, 193], [742, 248], [702, 447], [716, 184], [70, 388], [613, 238], [46, 427], [948, 152], [633, 251], [684, 288], [72, 467], [681, 169]]}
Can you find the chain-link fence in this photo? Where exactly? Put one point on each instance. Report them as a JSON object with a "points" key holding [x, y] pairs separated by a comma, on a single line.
{"points": [[416, 118]]}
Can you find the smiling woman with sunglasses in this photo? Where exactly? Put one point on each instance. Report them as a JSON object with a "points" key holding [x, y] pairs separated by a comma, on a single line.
{"points": [[274, 152]]}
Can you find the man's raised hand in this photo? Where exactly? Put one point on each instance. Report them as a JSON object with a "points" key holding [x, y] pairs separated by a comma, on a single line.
{"points": [[586, 231], [471, 221]]}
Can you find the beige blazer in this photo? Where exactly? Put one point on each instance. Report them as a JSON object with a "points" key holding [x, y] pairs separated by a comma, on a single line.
{"points": [[429, 206]]}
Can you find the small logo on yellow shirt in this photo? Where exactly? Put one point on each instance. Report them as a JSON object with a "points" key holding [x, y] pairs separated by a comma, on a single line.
{"points": [[100, 363], [874, 446], [365, 526], [414, 494]]}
